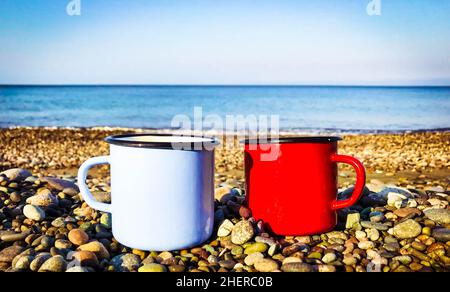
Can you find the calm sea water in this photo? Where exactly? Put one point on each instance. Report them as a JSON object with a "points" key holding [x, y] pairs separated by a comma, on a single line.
{"points": [[301, 108]]}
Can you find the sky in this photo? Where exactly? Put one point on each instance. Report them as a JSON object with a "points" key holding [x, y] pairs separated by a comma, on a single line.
{"points": [[297, 42]]}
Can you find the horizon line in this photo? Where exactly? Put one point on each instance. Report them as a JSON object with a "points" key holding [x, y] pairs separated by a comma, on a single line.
{"points": [[220, 85]]}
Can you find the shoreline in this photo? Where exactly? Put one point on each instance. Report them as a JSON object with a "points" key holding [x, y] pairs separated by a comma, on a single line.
{"points": [[283, 131]]}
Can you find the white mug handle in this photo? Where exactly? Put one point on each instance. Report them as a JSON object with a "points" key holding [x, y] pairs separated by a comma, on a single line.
{"points": [[84, 190]]}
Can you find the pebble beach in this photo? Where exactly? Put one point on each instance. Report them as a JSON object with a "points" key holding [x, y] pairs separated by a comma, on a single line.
{"points": [[401, 224]]}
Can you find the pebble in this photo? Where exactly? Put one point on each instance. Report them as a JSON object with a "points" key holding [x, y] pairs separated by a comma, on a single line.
{"points": [[237, 250], [329, 258], [16, 174], [153, 268], [59, 222], [441, 234], [222, 194], [360, 235], [404, 212], [242, 232], [86, 258], [373, 234], [245, 212], [34, 213], [404, 259], [352, 219], [15, 237], [266, 265], [177, 269], [225, 228], [78, 237], [374, 225], [126, 262], [55, 264], [251, 259], [63, 244], [43, 198], [8, 254], [256, 247], [23, 263], [291, 260], [297, 268], [77, 269], [407, 229], [96, 247], [366, 245], [349, 260], [106, 220], [227, 264], [39, 260], [441, 216], [272, 250], [59, 184]]}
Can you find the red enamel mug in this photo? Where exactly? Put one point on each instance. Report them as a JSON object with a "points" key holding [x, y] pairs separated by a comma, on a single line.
{"points": [[292, 183]]}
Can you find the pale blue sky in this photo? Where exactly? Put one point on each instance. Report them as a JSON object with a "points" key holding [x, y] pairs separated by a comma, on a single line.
{"points": [[225, 42]]}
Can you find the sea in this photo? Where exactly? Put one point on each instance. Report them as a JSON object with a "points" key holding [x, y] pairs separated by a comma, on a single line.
{"points": [[297, 108]]}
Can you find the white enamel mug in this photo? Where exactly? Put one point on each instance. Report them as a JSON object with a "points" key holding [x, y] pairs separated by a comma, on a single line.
{"points": [[162, 196]]}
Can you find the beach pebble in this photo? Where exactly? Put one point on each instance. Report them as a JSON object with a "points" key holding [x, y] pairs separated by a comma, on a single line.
{"points": [[360, 235], [63, 244], [251, 259], [78, 237], [39, 260], [153, 268], [43, 198], [329, 258], [77, 269], [58, 222], [366, 245], [225, 228], [96, 247], [441, 216], [404, 212], [102, 197], [373, 234], [242, 232], [245, 212], [8, 254], [16, 174], [222, 194], [227, 264], [407, 229], [106, 220], [297, 268], [266, 265], [86, 259], [374, 225], [256, 247], [23, 262], [60, 184], [349, 260], [126, 263], [441, 234], [55, 264], [15, 236], [34, 213], [396, 200], [289, 260], [352, 219]]}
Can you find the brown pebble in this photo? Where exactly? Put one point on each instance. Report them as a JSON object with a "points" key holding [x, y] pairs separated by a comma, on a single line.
{"points": [[78, 237]]}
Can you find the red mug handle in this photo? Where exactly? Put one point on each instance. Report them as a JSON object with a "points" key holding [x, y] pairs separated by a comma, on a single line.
{"points": [[360, 181]]}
